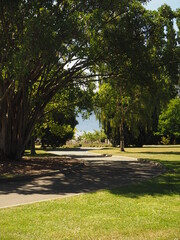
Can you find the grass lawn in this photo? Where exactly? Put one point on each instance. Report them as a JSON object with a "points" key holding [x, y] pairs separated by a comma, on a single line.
{"points": [[150, 210], [153, 153], [39, 153]]}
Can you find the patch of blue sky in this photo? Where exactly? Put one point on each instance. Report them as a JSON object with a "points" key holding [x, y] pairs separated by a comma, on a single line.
{"points": [[88, 125], [155, 4]]}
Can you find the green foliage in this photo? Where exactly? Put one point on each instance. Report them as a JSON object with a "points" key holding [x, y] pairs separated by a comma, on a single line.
{"points": [[47, 45], [165, 140], [169, 120], [142, 57], [57, 130], [117, 103], [96, 136], [59, 119]]}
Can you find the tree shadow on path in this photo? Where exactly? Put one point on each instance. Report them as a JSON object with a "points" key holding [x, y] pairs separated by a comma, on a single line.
{"points": [[94, 175]]}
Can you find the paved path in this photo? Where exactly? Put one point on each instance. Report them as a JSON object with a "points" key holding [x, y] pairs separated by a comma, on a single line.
{"points": [[84, 154], [97, 172]]}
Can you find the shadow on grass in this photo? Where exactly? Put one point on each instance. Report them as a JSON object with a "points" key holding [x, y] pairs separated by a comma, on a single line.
{"points": [[166, 184]]}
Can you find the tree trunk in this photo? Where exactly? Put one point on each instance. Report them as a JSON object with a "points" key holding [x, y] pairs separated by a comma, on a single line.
{"points": [[43, 143], [10, 141], [33, 149], [121, 130], [15, 126], [121, 127]]}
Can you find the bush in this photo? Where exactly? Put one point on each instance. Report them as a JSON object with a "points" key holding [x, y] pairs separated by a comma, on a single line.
{"points": [[165, 140]]}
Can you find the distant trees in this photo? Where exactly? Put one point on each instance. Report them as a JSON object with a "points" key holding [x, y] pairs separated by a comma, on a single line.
{"points": [[143, 60], [92, 137], [58, 129], [57, 125], [121, 110], [169, 121]]}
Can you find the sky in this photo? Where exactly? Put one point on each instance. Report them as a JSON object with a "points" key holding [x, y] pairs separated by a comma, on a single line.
{"points": [[92, 124], [88, 125], [155, 4]]}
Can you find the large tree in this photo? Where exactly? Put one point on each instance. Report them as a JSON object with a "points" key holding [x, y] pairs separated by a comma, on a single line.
{"points": [[44, 45]]}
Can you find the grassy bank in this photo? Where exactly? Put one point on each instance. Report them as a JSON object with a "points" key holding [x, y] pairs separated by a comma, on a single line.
{"points": [[145, 211]]}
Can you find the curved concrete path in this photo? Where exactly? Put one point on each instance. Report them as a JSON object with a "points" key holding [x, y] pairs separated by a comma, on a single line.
{"points": [[85, 155], [97, 172]]}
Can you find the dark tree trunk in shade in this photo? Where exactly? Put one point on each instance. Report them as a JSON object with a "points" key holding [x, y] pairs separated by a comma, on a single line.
{"points": [[33, 149], [121, 131], [16, 126]]}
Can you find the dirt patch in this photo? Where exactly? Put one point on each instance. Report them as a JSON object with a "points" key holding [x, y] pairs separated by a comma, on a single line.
{"points": [[36, 165]]}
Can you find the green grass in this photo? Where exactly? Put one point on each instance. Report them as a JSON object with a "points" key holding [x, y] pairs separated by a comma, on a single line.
{"points": [[161, 153], [39, 153], [149, 210]]}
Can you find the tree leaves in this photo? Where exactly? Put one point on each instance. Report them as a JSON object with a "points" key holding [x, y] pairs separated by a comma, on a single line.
{"points": [[169, 120]]}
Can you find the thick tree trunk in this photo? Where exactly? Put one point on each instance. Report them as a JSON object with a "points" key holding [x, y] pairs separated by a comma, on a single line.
{"points": [[15, 127], [11, 136], [13, 139]]}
